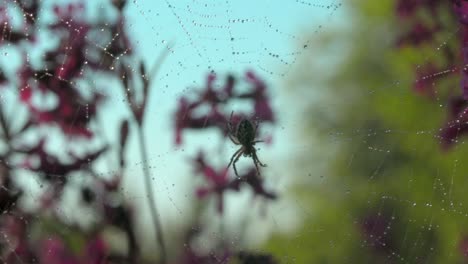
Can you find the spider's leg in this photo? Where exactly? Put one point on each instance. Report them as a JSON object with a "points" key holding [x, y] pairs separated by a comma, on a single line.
{"points": [[234, 156], [258, 141], [231, 132], [255, 161], [235, 161], [255, 157]]}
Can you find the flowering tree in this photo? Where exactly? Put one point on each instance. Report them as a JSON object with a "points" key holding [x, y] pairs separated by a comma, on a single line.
{"points": [[60, 95]]}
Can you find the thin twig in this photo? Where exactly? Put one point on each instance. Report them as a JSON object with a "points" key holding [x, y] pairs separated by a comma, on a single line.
{"points": [[151, 196], [154, 70], [4, 125], [146, 171]]}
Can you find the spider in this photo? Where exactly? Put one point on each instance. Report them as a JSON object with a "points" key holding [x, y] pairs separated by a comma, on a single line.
{"points": [[244, 136]]}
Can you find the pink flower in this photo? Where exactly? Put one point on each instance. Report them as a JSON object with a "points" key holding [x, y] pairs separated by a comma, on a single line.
{"points": [[255, 182], [51, 167], [186, 119], [72, 113], [374, 228], [457, 124], [461, 10], [262, 108], [95, 252], [14, 226], [218, 182], [187, 115], [463, 246], [418, 34], [408, 8], [211, 96], [54, 251]]}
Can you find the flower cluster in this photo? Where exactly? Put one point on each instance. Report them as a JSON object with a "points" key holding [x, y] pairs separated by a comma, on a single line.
{"points": [[218, 182], [73, 109], [65, 65], [188, 116], [206, 111]]}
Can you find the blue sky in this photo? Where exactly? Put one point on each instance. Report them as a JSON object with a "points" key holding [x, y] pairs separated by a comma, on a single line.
{"points": [[225, 36]]}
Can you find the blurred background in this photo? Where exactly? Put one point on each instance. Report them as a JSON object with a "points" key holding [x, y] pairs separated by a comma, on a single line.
{"points": [[114, 131]]}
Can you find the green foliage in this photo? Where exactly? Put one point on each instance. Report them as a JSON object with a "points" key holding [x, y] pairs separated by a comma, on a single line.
{"points": [[48, 228], [387, 160]]}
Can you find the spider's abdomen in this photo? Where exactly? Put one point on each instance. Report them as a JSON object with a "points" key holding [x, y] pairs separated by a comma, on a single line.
{"points": [[245, 132]]}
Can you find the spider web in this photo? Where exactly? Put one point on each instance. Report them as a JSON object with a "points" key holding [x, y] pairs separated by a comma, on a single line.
{"points": [[228, 36], [271, 38], [224, 37], [232, 37]]}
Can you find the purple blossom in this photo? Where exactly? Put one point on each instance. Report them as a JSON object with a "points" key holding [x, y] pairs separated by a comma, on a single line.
{"points": [[210, 95], [463, 247], [186, 119], [219, 182], [61, 68], [464, 79], [262, 108], [54, 251], [417, 35], [72, 113], [374, 227], [457, 124], [407, 8], [39, 160], [255, 182], [188, 116], [461, 10], [16, 227]]}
